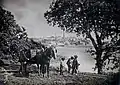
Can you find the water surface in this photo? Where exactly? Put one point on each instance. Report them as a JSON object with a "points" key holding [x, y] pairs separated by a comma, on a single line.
{"points": [[85, 60]]}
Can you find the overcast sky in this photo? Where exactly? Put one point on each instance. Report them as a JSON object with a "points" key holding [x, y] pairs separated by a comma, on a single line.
{"points": [[30, 14]]}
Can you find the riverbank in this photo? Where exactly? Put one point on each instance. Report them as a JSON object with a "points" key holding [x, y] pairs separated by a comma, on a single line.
{"points": [[75, 46]]}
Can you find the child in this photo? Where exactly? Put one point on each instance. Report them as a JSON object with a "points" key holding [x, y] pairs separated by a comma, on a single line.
{"points": [[69, 63], [61, 65], [75, 64]]}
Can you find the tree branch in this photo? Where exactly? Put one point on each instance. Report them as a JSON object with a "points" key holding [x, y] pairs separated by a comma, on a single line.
{"points": [[93, 41]]}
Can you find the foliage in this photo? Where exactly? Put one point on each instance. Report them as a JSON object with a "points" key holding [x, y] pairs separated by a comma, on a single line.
{"points": [[36, 45], [13, 38], [97, 20]]}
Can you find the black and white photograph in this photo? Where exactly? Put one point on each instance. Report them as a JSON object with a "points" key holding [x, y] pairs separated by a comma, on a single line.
{"points": [[59, 42]]}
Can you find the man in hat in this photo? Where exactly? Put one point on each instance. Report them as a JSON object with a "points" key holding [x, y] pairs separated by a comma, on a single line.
{"points": [[75, 64]]}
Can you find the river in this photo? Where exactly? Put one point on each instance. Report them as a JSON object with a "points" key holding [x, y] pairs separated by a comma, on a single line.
{"points": [[84, 58]]}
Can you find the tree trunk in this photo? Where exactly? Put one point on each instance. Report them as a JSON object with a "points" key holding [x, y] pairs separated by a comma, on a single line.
{"points": [[100, 69], [99, 63], [97, 45]]}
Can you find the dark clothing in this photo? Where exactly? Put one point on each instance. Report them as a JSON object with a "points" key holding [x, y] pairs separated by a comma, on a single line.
{"points": [[22, 57], [75, 63], [28, 53], [69, 68], [69, 64], [22, 60], [75, 66]]}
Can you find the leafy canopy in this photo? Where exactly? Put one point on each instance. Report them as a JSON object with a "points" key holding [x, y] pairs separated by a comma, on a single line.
{"points": [[97, 20]]}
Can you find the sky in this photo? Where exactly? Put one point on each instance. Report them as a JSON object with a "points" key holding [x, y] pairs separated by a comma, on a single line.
{"points": [[30, 14]]}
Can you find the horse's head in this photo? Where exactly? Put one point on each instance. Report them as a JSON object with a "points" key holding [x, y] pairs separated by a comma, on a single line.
{"points": [[53, 52], [50, 52]]}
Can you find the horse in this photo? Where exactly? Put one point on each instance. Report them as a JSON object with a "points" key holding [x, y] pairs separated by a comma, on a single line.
{"points": [[43, 58]]}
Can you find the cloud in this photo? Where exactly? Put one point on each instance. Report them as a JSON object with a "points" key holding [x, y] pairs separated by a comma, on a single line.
{"points": [[16, 3], [30, 14]]}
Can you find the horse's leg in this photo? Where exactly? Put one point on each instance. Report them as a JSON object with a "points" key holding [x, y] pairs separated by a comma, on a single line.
{"points": [[43, 67], [38, 69], [20, 69], [48, 69], [25, 68]]}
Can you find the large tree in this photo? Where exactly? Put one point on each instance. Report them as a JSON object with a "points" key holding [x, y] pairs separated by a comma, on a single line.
{"points": [[13, 38], [97, 20]]}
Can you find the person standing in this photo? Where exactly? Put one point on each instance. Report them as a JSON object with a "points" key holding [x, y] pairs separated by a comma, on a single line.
{"points": [[75, 64], [61, 66], [69, 63], [22, 60]]}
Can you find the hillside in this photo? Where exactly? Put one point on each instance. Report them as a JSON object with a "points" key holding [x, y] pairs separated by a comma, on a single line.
{"points": [[56, 79]]}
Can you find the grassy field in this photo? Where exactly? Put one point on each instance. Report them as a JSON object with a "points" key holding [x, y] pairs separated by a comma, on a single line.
{"points": [[65, 79], [82, 78]]}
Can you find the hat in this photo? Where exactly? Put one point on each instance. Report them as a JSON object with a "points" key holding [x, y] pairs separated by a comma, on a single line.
{"points": [[75, 56], [72, 57], [62, 58]]}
